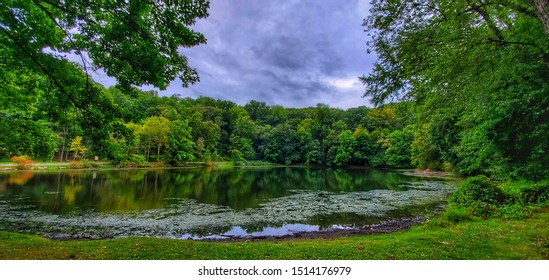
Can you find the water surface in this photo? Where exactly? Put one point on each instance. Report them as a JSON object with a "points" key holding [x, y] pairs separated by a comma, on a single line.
{"points": [[210, 203]]}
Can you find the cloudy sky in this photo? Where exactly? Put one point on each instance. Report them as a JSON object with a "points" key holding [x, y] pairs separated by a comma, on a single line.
{"points": [[289, 52]]}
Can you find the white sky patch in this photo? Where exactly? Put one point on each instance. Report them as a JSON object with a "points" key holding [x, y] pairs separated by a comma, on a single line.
{"points": [[347, 83]]}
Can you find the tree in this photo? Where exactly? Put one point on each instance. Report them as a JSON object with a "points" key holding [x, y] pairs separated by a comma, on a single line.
{"points": [[281, 144], [346, 149], [380, 118], [257, 110], [136, 42], [397, 149], [424, 154], [243, 130], [180, 144], [23, 136], [77, 147], [310, 147], [155, 131], [365, 145], [485, 63]]}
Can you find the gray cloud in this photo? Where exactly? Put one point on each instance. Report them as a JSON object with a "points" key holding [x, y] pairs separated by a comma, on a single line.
{"points": [[290, 53]]}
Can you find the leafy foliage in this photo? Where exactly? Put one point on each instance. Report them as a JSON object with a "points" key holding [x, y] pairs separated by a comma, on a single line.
{"points": [[77, 147], [180, 144], [135, 42], [23, 162], [478, 196], [477, 72]]}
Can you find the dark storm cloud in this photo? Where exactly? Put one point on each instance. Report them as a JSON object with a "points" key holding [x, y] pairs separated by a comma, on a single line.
{"points": [[291, 53]]}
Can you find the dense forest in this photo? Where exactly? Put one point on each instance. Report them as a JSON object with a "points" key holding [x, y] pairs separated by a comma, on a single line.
{"points": [[177, 130], [459, 86]]}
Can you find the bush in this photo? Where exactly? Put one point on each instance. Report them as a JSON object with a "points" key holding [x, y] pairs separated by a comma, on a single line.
{"points": [[514, 211], [84, 164], [207, 158], [478, 190], [23, 162], [236, 157], [478, 196], [135, 161], [158, 164], [528, 192]]}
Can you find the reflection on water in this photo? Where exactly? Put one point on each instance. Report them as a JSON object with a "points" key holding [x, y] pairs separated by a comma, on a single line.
{"points": [[189, 202], [239, 232], [129, 190]]}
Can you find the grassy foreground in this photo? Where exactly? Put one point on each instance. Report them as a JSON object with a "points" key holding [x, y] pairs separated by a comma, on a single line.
{"points": [[480, 239]]}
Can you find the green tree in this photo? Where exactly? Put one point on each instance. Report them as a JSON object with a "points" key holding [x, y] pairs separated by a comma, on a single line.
{"points": [[424, 153], [281, 145], [380, 118], [346, 149], [310, 147], [484, 63], [257, 110], [180, 146], [136, 42], [365, 145], [23, 136], [398, 148], [155, 132], [243, 130], [331, 142]]}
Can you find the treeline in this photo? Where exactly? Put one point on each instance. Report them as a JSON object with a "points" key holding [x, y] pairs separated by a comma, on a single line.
{"points": [[474, 78], [133, 129], [148, 128]]}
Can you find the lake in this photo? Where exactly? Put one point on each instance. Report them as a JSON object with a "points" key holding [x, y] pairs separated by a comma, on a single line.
{"points": [[203, 203]]}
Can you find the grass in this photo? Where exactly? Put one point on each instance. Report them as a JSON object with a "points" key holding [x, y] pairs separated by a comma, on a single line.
{"points": [[478, 239]]}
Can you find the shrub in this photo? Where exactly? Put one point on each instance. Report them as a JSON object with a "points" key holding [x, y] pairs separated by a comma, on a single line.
{"points": [[207, 158], [514, 211], [84, 164], [136, 161], [236, 157], [528, 192], [23, 162], [158, 164], [480, 196]]}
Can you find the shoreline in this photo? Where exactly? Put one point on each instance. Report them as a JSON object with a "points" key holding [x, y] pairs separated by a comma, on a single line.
{"points": [[386, 227]]}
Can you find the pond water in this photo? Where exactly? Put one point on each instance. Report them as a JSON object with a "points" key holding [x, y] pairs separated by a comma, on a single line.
{"points": [[208, 203]]}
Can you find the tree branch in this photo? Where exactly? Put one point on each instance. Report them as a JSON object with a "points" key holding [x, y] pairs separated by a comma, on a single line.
{"points": [[78, 49], [43, 68]]}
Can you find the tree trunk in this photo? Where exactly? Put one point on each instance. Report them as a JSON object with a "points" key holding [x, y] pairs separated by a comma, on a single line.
{"points": [[541, 8], [148, 150], [158, 153], [63, 146]]}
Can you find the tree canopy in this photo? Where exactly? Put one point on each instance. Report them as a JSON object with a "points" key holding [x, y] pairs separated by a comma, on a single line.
{"points": [[48, 48], [136, 42], [470, 81], [478, 72]]}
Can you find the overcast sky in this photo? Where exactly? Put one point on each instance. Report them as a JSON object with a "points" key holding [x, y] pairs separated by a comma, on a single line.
{"points": [[289, 52]]}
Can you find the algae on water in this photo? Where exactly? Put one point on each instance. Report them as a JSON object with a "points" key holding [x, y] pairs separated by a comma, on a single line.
{"points": [[181, 215]]}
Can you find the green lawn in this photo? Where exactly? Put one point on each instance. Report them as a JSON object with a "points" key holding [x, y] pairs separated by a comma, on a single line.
{"points": [[488, 239]]}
